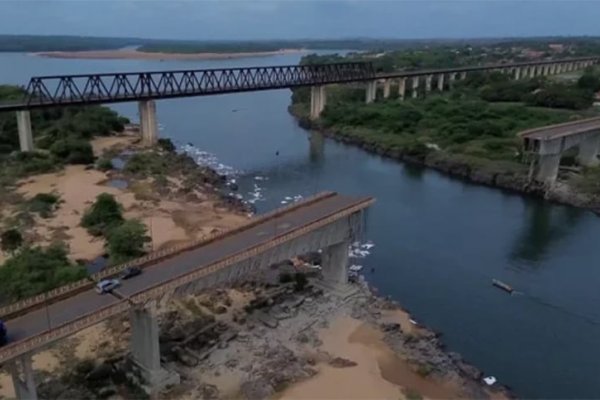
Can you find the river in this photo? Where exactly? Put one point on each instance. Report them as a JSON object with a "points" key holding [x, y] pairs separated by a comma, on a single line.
{"points": [[438, 241]]}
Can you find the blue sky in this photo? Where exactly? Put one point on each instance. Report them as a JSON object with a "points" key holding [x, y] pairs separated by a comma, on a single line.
{"points": [[281, 19]]}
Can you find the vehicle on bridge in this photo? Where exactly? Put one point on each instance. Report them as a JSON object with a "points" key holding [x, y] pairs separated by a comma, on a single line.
{"points": [[130, 272], [107, 285]]}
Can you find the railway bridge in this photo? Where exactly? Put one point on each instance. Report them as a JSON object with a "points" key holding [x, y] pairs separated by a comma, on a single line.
{"points": [[147, 87], [328, 222]]}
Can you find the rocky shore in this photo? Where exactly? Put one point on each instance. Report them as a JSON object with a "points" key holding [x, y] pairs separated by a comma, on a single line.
{"points": [[513, 178], [265, 339]]}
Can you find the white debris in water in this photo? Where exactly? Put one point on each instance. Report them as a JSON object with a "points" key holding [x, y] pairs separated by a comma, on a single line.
{"points": [[261, 178], [208, 160], [355, 268], [360, 250], [490, 380], [283, 202]]}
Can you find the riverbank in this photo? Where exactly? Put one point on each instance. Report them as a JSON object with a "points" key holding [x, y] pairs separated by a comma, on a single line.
{"points": [[177, 204], [509, 176], [142, 55], [264, 340]]}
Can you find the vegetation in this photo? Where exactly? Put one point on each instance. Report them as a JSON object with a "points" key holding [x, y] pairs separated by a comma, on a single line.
{"points": [[104, 164], [300, 280], [11, 240], [126, 241], [103, 215], [34, 270], [43, 204], [589, 181]]}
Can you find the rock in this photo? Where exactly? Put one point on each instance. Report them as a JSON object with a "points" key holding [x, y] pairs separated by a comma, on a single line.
{"points": [[469, 371], [99, 373], [267, 320], [232, 363], [107, 391], [208, 392], [340, 362], [220, 309], [390, 327], [302, 338], [257, 390], [184, 357], [223, 345]]}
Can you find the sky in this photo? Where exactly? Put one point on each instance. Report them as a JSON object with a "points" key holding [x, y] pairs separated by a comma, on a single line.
{"points": [[312, 19]]}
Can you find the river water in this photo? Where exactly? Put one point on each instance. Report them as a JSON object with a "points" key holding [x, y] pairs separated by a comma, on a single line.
{"points": [[438, 241]]}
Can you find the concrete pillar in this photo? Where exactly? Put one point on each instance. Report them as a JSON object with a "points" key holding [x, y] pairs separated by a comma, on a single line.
{"points": [[371, 92], [21, 372], [440, 82], [318, 99], [463, 75], [588, 151], [145, 349], [386, 88], [148, 123], [428, 79], [24, 128], [517, 73], [415, 87], [547, 168], [451, 79], [334, 263], [571, 66], [553, 69], [401, 88]]}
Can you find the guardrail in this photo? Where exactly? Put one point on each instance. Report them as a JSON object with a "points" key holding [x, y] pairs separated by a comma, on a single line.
{"points": [[24, 346], [21, 307]]}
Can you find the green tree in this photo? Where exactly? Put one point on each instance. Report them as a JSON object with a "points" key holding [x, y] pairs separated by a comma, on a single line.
{"points": [[11, 240], [103, 215], [127, 241], [34, 270], [73, 150]]}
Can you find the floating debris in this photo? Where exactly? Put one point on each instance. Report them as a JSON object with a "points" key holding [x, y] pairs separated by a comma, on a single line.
{"points": [[502, 285], [355, 268], [489, 380]]}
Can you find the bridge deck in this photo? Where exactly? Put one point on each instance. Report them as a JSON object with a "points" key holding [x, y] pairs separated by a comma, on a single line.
{"points": [[561, 130], [67, 310]]}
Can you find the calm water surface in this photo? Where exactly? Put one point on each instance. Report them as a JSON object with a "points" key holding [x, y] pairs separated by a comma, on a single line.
{"points": [[439, 241]]}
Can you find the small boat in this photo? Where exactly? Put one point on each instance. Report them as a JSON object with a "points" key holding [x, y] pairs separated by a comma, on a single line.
{"points": [[502, 285]]}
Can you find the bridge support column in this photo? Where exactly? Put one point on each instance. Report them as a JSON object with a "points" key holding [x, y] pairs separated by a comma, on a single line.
{"points": [[415, 87], [24, 128], [440, 82], [517, 73], [145, 349], [21, 372], [148, 123], [334, 260], [451, 79], [428, 80], [588, 151], [386, 88], [401, 88], [547, 168], [371, 92], [318, 99], [463, 75]]}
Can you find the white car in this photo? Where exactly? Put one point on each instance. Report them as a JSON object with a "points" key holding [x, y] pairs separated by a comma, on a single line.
{"points": [[107, 285]]}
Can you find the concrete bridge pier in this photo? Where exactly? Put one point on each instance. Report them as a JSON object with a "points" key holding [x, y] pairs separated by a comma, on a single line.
{"points": [[451, 79], [21, 372], [547, 168], [145, 349], [428, 80], [401, 88], [318, 99], [463, 75], [148, 122], [24, 129], [334, 264], [588, 151], [371, 92], [415, 87], [440, 82], [517, 73], [386, 88]]}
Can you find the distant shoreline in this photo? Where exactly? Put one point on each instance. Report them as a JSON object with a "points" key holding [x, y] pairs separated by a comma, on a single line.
{"points": [[141, 55]]}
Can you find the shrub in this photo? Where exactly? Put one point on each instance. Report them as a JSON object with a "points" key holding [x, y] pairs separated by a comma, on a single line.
{"points": [[126, 241], [104, 214], [285, 277], [104, 164], [35, 270], [73, 151], [166, 145], [11, 240], [43, 204]]}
